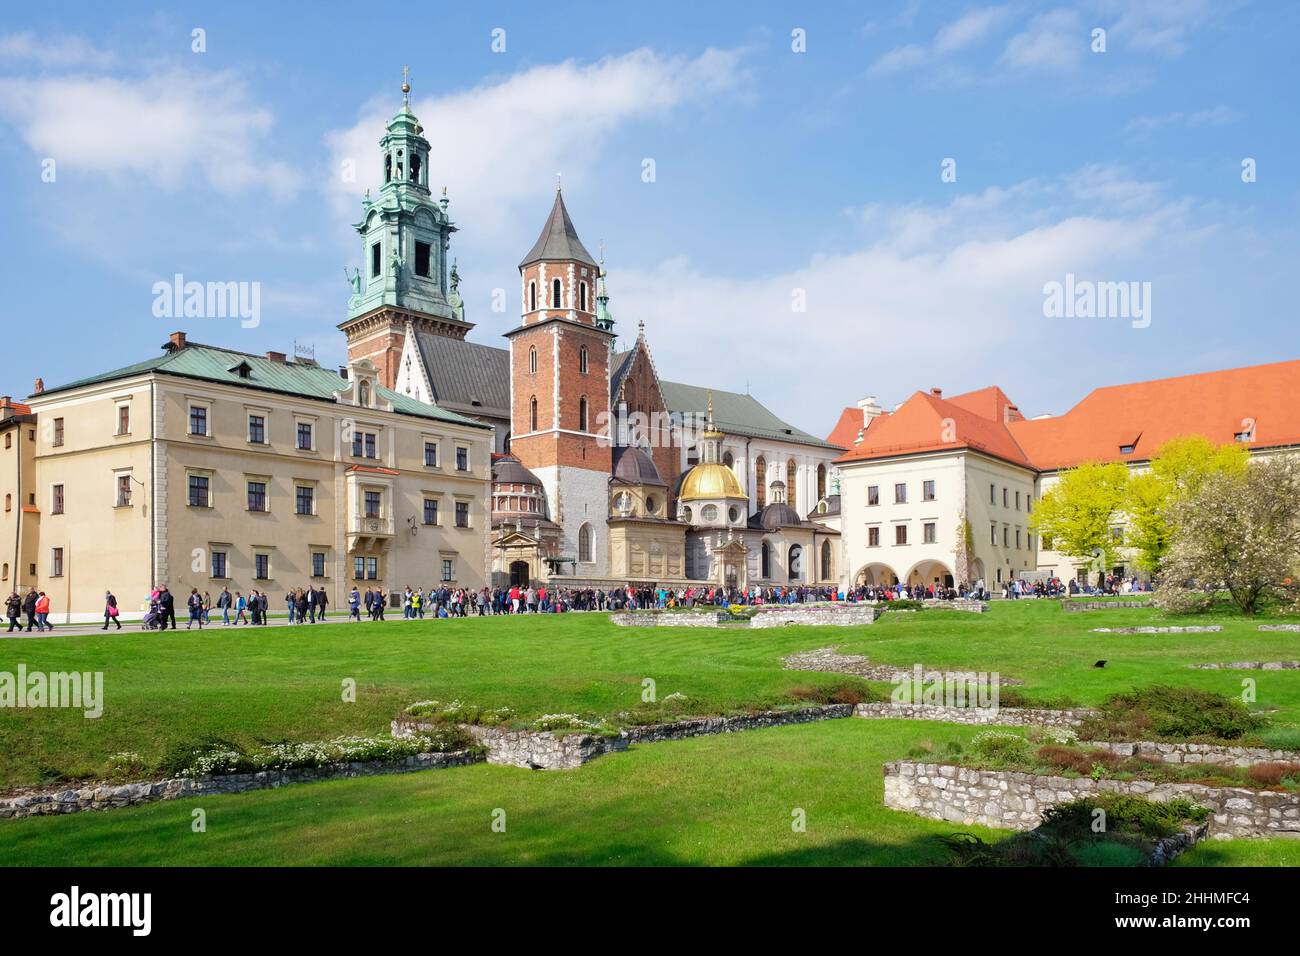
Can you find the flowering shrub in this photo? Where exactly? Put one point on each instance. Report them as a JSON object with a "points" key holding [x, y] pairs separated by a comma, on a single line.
{"points": [[123, 765], [568, 722], [223, 758], [459, 712]]}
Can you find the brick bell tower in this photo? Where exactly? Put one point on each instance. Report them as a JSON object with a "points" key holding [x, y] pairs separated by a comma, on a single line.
{"points": [[402, 286], [560, 372]]}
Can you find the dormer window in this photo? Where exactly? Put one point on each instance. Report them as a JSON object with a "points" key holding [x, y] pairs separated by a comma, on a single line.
{"points": [[1126, 449], [1244, 436], [243, 370]]}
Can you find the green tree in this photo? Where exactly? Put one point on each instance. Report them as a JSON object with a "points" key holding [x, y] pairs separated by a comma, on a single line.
{"points": [[1077, 513], [1179, 469], [1239, 532]]}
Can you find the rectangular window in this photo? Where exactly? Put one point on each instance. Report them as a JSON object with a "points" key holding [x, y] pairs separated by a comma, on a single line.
{"points": [[304, 436], [1029, 504], [257, 496], [873, 537], [993, 534], [56, 500], [198, 420], [376, 254], [993, 494], [306, 496], [257, 429], [219, 564], [900, 534], [1116, 534], [900, 494], [873, 495], [1006, 537], [928, 533], [448, 569], [373, 501], [1017, 539], [58, 432], [422, 258], [462, 459], [431, 454], [199, 497], [430, 510], [371, 446], [1004, 497], [359, 568], [364, 445], [124, 491], [462, 514], [262, 567], [318, 564], [124, 419], [372, 569], [1017, 501], [56, 563], [927, 491]]}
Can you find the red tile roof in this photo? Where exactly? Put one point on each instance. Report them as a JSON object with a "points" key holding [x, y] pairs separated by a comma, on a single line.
{"points": [[845, 432], [1218, 405], [1144, 415]]}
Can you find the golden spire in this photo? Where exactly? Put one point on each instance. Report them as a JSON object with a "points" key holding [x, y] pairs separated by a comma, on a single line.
{"points": [[710, 407], [406, 86]]}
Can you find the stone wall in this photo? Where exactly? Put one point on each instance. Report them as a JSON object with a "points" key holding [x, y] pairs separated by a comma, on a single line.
{"points": [[1186, 753], [959, 604], [1001, 716], [1101, 605], [1016, 800], [1192, 629], [550, 750], [1249, 666], [767, 615], [112, 796], [1280, 627]]}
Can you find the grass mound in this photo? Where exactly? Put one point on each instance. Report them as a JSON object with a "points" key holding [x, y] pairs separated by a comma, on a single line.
{"points": [[1172, 714]]}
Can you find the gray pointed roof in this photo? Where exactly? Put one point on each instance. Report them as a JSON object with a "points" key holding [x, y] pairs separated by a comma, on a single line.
{"points": [[559, 239]]}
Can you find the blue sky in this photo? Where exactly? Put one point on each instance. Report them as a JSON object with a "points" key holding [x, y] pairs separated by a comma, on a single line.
{"points": [[780, 177]]}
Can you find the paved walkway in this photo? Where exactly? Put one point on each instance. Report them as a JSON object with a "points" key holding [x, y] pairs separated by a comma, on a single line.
{"points": [[133, 627]]}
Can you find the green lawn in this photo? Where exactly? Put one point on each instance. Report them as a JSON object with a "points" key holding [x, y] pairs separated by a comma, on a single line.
{"points": [[724, 799]]}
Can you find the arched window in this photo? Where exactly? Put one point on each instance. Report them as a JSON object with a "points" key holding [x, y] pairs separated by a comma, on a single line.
{"points": [[532, 360], [582, 296], [728, 459], [791, 483], [796, 562], [532, 414], [765, 561], [415, 167], [583, 361], [388, 167], [555, 294], [821, 481], [582, 414], [826, 561], [584, 543], [532, 297], [760, 483]]}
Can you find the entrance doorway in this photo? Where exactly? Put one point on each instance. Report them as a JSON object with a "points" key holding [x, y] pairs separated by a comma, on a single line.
{"points": [[519, 574]]}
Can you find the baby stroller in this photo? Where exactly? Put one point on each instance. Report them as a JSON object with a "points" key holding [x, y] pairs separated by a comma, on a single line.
{"points": [[152, 619]]}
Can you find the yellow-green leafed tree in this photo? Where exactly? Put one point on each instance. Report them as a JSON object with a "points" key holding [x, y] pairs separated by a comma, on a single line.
{"points": [[1078, 512], [1178, 470]]}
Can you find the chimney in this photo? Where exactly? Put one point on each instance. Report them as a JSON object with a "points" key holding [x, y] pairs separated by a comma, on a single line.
{"points": [[937, 392], [870, 409], [39, 386], [277, 357], [177, 340]]}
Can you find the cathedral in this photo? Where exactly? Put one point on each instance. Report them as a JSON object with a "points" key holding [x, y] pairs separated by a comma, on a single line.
{"points": [[603, 473]]}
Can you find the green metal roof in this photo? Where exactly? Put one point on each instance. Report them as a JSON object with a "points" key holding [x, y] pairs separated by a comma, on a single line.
{"points": [[211, 364], [736, 414]]}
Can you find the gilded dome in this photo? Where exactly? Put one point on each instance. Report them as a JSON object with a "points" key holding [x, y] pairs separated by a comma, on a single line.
{"points": [[711, 480]]}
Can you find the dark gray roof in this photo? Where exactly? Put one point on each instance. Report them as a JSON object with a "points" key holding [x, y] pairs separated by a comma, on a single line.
{"points": [[634, 467], [509, 470], [467, 377], [622, 364], [736, 414], [776, 515], [559, 239]]}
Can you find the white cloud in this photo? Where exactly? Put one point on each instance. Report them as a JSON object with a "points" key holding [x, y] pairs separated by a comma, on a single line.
{"points": [[1216, 116], [1054, 40], [512, 135], [951, 38], [60, 51], [939, 296], [157, 129]]}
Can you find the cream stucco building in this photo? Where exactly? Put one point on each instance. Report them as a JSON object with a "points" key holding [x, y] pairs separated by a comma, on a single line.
{"points": [[208, 468]]}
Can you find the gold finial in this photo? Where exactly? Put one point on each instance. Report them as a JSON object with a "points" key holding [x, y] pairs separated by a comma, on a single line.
{"points": [[406, 85], [710, 406]]}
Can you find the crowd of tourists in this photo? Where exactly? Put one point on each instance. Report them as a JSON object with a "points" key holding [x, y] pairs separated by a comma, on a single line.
{"points": [[34, 605]]}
